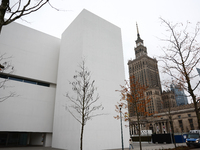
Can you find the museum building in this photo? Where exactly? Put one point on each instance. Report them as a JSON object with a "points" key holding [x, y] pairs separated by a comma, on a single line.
{"points": [[43, 65]]}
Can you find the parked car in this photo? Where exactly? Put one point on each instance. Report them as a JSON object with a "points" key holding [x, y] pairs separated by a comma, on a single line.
{"points": [[193, 138]]}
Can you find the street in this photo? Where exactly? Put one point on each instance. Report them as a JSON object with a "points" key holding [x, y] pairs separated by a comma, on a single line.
{"points": [[145, 146]]}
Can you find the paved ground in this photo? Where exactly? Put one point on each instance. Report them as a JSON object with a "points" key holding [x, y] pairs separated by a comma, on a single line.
{"points": [[151, 146], [28, 148], [145, 146]]}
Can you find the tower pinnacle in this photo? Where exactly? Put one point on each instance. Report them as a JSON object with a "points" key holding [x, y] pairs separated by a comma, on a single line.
{"points": [[140, 49], [137, 30], [139, 40]]}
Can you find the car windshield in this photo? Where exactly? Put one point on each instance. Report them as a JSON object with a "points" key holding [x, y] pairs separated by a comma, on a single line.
{"points": [[193, 135]]}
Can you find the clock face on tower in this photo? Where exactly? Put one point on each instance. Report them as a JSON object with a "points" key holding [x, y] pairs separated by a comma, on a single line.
{"points": [[138, 44]]}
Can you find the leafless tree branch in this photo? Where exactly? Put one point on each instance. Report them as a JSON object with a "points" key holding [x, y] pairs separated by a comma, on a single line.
{"points": [[19, 9], [85, 100], [6, 68], [181, 57]]}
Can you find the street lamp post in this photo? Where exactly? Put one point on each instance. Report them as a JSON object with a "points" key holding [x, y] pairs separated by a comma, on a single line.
{"points": [[120, 107]]}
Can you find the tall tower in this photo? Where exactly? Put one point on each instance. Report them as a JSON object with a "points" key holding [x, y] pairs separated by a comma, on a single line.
{"points": [[140, 48], [145, 71]]}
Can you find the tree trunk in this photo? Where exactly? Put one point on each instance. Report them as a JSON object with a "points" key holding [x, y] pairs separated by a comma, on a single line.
{"points": [[171, 123], [1, 20], [0, 28], [195, 104], [83, 123], [172, 128], [191, 91], [138, 122], [3, 7], [197, 112], [140, 138], [81, 139]]}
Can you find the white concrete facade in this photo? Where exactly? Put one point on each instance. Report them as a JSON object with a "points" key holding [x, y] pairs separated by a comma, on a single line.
{"points": [[44, 58], [34, 55]]}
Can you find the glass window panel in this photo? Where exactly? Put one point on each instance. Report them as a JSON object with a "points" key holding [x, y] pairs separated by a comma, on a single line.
{"points": [[29, 81], [16, 79], [3, 76], [43, 84]]}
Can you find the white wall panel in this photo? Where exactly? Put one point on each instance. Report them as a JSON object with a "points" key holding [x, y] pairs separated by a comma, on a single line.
{"points": [[30, 111], [99, 42], [34, 54], [48, 140]]}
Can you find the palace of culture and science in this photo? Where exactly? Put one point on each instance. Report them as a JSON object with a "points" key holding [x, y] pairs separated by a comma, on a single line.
{"points": [[145, 70]]}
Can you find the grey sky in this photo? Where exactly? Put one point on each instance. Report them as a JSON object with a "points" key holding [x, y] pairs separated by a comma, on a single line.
{"points": [[122, 13]]}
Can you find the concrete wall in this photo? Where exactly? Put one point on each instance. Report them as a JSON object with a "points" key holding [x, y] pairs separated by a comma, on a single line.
{"points": [[48, 140], [99, 42], [34, 55]]}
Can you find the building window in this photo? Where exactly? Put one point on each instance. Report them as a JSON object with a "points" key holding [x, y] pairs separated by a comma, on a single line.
{"points": [[191, 124], [129, 69], [179, 116], [21, 79], [30, 82], [181, 125], [43, 84], [189, 115], [16, 79], [3, 76]]}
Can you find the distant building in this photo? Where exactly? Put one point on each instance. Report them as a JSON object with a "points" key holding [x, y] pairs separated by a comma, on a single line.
{"points": [[181, 98], [183, 117], [145, 71], [168, 98], [198, 70]]}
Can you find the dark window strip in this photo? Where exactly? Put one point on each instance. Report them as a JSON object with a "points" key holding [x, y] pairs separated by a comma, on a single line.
{"points": [[24, 80]]}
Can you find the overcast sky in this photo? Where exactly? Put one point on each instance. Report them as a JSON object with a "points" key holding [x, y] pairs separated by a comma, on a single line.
{"points": [[122, 13]]}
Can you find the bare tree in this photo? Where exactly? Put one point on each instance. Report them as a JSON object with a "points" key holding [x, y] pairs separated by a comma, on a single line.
{"points": [[134, 99], [171, 123], [5, 69], [84, 101], [13, 11], [181, 58]]}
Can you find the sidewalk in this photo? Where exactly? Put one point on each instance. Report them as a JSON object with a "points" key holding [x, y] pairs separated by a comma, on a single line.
{"points": [[28, 148], [151, 146], [145, 146]]}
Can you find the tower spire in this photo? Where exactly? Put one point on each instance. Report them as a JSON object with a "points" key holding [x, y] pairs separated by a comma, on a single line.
{"points": [[139, 40], [137, 30], [140, 50]]}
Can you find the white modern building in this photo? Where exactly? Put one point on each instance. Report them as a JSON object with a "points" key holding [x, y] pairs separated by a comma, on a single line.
{"points": [[43, 67]]}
